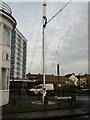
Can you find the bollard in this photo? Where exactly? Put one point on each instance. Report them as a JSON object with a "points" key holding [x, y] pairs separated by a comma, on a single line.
{"points": [[45, 102], [69, 101], [59, 104], [74, 100], [13, 103], [20, 103]]}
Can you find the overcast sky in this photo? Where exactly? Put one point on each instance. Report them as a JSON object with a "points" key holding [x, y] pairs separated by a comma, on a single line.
{"points": [[66, 36]]}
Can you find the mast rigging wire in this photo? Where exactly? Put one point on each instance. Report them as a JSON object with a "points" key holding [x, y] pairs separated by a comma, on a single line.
{"points": [[60, 38], [58, 12]]}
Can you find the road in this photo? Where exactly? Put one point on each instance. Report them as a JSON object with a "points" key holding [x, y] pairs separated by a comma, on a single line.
{"points": [[86, 117], [83, 98], [83, 102], [26, 96]]}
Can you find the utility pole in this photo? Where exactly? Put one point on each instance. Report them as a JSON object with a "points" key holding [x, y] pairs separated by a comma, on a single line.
{"points": [[43, 48]]}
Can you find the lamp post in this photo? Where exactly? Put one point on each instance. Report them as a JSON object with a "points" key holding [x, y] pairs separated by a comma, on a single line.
{"points": [[59, 85]]}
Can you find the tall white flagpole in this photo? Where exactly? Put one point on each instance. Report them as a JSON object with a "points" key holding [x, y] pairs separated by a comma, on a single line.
{"points": [[43, 48]]}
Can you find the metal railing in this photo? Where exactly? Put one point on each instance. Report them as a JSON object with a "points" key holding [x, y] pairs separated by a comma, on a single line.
{"points": [[5, 7]]}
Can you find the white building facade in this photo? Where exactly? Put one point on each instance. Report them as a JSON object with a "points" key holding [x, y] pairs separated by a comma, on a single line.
{"points": [[18, 55], [74, 79], [7, 23]]}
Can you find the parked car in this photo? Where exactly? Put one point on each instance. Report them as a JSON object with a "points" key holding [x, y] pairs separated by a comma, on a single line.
{"points": [[38, 89]]}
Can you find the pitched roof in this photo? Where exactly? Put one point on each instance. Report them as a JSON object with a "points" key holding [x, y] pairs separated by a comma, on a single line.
{"points": [[68, 75], [55, 79], [88, 77]]}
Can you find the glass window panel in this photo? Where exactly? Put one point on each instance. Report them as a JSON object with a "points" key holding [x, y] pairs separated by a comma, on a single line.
{"points": [[6, 36]]}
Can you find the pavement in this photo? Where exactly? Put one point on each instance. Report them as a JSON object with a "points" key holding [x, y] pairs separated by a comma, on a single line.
{"points": [[63, 113], [40, 102]]}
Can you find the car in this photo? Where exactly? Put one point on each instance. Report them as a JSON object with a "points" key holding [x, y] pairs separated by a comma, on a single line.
{"points": [[38, 89]]}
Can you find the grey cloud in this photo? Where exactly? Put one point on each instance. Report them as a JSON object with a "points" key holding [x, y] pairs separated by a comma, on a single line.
{"points": [[73, 49]]}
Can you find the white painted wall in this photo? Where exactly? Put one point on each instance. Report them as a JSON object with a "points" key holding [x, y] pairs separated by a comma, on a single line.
{"points": [[4, 97], [74, 79], [4, 93]]}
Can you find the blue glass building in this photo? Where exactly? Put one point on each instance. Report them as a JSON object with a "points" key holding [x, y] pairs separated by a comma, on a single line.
{"points": [[18, 55]]}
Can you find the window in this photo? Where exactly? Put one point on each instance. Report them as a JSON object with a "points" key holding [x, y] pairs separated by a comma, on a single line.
{"points": [[38, 87], [6, 36], [7, 57], [3, 71]]}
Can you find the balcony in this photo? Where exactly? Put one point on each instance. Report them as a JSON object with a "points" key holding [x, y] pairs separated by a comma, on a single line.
{"points": [[5, 8]]}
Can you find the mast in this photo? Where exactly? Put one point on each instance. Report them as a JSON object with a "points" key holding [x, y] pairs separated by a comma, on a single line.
{"points": [[43, 41], [43, 48]]}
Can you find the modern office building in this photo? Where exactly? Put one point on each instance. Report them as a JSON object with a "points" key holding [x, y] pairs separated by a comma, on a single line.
{"points": [[7, 24], [18, 55]]}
